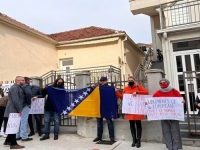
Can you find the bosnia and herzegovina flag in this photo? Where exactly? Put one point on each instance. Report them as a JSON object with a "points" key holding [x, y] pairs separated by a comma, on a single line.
{"points": [[97, 102]]}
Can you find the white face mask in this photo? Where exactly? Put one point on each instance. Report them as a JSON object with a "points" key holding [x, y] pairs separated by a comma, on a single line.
{"points": [[31, 84]]}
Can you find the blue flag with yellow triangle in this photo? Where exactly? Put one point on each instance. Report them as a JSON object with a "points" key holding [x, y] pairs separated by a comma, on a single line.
{"points": [[100, 102]]}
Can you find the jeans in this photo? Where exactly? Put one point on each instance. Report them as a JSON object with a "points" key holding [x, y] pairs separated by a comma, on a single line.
{"points": [[38, 122], [23, 124], [47, 120], [100, 127]]}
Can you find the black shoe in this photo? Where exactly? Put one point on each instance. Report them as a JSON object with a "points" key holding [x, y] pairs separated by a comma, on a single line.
{"points": [[31, 133], [112, 139], [44, 138], [6, 143], [138, 144], [28, 139], [97, 139], [40, 133], [134, 142], [18, 138], [55, 137]]}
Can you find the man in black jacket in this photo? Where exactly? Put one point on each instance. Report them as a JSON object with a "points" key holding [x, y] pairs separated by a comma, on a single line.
{"points": [[104, 82], [26, 108], [35, 93]]}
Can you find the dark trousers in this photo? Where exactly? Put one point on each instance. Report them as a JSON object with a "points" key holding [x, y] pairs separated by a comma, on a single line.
{"points": [[100, 127], [11, 137], [2, 110], [137, 128], [38, 122]]}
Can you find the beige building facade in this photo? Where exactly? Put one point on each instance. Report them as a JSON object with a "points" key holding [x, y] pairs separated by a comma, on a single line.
{"points": [[175, 27], [28, 52]]}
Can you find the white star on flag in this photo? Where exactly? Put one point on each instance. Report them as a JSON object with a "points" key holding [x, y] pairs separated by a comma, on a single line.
{"points": [[72, 104], [88, 89], [68, 108], [64, 112], [85, 93], [80, 97], [76, 101]]}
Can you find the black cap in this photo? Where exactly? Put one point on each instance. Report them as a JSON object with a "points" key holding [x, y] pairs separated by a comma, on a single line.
{"points": [[103, 79]]}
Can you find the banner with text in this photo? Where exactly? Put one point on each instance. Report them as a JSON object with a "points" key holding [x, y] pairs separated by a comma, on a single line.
{"points": [[165, 108], [134, 105], [37, 106], [13, 123]]}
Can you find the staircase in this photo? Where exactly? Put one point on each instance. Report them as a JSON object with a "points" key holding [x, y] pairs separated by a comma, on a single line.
{"points": [[192, 139]]}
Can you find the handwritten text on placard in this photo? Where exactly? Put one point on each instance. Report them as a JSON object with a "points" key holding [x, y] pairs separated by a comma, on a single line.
{"points": [[37, 106], [165, 108], [13, 123]]}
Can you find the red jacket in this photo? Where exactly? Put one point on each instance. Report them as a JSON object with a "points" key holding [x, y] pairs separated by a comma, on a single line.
{"points": [[128, 90], [172, 93]]}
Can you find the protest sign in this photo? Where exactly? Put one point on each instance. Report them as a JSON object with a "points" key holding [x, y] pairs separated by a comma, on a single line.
{"points": [[134, 105], [6, 88], [13, 123], [165, 108], [37, 106]]}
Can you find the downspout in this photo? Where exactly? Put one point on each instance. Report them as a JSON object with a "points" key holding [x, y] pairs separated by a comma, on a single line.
{"points": [[123, 57], [167, 54]]}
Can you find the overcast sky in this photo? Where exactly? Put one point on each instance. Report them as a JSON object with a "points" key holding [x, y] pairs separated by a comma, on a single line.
{"points": [[52, 16]]}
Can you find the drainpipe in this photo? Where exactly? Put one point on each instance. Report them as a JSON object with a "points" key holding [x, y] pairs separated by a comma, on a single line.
{"points": [[167, 54], [122, 53]]}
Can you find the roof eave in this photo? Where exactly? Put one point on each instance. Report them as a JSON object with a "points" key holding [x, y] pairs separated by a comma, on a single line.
{"points": [[28, 30]]}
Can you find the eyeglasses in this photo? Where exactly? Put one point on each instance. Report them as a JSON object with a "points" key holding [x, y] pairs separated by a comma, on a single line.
{"points": [[162, 82]]}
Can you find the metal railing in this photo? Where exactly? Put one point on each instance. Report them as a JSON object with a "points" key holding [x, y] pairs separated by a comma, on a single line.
{"points": [[179, 12], [145, 65]]}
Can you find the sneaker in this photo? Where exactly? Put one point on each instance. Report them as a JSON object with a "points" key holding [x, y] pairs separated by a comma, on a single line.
{"points": [[55, 137], [17, 147], [31, 133], [44, 138], [97, 139], [28, 139]]}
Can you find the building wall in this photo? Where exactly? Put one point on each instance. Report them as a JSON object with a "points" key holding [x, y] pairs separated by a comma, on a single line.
{"points": [[24, 54], [92, 55], [133, 58]]}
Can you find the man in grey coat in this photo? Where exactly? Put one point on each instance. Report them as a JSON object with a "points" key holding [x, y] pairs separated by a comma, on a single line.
{"points": [[14, 105]]}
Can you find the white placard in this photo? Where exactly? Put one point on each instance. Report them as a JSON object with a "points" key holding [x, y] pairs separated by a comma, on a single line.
{"points": [[165, 108], [134, 105], [13, 123], [37, 106]]}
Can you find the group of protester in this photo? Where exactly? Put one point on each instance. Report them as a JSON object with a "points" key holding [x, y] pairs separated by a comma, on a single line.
{"points": [[23, 92]]}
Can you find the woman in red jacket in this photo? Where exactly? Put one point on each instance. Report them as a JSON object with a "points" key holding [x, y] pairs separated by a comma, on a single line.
{"points": [[134, 89], [170, 128]]}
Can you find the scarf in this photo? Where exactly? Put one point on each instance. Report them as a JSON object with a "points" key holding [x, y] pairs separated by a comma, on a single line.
{"points": [[165, 90]]}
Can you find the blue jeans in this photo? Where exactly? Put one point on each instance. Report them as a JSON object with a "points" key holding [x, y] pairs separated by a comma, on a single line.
{"points": [[23, 123], [100, 127], [47, 120]]}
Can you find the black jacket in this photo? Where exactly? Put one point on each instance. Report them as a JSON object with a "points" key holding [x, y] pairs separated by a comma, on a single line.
{"points": [[27, 93], [36, 91]]}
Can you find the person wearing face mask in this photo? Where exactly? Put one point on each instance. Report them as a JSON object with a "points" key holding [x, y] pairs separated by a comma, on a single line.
{"points": [[134, 120], [35, 93], [50, 112], [170, 128], [104, 82]]}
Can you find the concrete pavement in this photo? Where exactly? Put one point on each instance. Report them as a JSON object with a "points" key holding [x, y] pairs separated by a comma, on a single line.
{"points": [[76, 142]]}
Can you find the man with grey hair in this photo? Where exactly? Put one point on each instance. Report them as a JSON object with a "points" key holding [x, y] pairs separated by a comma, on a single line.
{"points": [[14, 105]]}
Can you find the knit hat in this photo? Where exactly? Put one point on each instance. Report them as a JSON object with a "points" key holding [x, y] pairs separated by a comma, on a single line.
{"points": [[166, 80], [103, 79]]}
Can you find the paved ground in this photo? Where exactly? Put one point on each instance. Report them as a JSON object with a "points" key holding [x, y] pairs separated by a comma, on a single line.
{"points": [[75, 142]]}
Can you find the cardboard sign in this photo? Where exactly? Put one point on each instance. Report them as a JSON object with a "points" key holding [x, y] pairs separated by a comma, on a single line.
{"points": [[37, 106], [165, 108], [134, 105], [13, 123]]}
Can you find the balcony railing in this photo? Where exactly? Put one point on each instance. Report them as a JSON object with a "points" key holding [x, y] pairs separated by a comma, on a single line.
{"points": [[181, 12]]}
